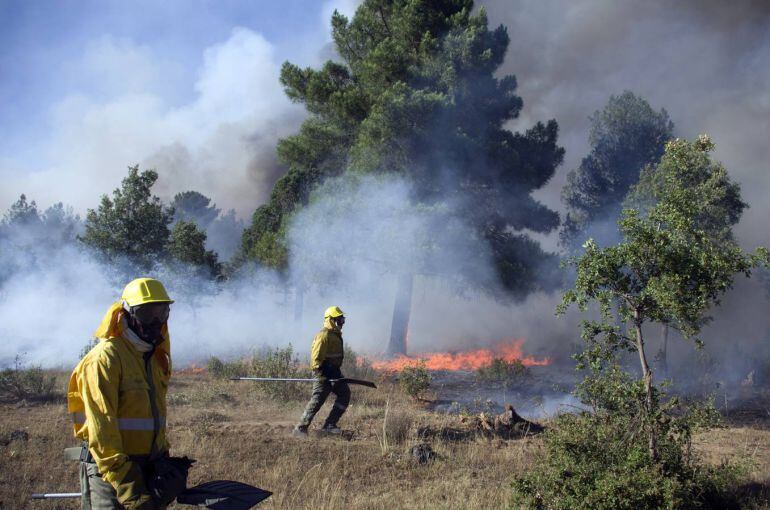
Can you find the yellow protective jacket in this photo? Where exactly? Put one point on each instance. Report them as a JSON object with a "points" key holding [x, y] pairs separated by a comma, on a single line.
{"points": [[327, 346], [115, 406]]}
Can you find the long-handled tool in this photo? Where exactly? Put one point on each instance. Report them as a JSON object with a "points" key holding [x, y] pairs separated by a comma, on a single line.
{"points": [[216, 495], [361, 382]]}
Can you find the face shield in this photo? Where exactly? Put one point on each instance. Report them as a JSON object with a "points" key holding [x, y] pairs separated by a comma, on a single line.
{"points": [[149, 319]]}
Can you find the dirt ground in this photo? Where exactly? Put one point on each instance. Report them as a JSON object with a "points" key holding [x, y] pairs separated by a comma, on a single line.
{"points": [[236, 433]]}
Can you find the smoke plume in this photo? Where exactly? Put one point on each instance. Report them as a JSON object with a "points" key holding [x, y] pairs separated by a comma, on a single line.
{"points": [[705, 62]]}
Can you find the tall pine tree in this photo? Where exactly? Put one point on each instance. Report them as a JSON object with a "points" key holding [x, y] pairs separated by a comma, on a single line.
{"points": [[416, 95]]}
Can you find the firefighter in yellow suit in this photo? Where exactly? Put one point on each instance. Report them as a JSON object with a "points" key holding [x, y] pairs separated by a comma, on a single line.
{"points": [[117, 400], [326, 356]]}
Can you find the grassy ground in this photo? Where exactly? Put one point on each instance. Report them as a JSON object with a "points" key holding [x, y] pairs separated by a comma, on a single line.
{"points": [[236, 433]]}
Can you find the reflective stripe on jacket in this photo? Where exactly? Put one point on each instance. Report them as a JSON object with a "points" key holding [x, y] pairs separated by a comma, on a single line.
{"points": [[114, 405], [327, 346]]}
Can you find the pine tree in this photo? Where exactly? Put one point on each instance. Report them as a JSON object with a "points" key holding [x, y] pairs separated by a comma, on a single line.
{"points": [[416, 95]]}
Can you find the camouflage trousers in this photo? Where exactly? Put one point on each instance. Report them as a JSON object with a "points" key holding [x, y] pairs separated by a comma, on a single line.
{"points": [[321, 390]]}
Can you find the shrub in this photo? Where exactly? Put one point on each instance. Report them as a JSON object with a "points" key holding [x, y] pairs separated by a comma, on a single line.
{"points": [[600, 459], [356, 366], [509, 373], [20, 383], [267, 362], [414, 379]]}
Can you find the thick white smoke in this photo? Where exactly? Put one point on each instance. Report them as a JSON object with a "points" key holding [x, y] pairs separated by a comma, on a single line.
{"points": [[702, 61]]}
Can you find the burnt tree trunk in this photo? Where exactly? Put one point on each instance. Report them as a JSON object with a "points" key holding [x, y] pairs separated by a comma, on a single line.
{"points": [[401, 311], [647, 375]]}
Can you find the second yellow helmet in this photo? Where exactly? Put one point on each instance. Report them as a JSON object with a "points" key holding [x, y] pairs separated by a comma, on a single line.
{"points": [[333, 312]]}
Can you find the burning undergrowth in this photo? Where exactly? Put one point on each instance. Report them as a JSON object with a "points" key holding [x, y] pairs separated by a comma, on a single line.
{"points": [[508, 351]]}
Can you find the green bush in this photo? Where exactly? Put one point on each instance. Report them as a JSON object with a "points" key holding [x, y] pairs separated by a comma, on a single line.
{"points": [[509, 373], [600, 459], [414, 379], [267, 362], [20, 383], [356, 366]]}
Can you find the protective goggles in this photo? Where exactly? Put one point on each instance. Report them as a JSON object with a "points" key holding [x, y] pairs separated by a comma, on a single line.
{"points": [[151, 312]]}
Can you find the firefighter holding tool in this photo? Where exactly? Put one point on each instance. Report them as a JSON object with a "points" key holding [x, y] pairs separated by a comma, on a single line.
{"points": [[117, 400], [326, 355]]}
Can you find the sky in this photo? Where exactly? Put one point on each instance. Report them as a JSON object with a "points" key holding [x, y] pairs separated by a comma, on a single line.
{"points": [[188, 87], [191, 87]]}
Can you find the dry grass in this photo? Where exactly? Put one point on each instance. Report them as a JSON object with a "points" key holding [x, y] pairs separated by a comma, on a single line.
{"points": [[236, 433]]}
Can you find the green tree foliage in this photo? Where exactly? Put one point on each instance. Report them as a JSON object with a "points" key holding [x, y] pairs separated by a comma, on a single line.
{"points": [[132, 224], [31, 240], [625, 136], [55, 226], [416, 95], [632, 447], [61, 224], [195, 207], [22, 213], [188, 245], [667, 268]]}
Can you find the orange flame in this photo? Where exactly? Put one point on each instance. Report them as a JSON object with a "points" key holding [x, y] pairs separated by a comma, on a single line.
{"points": [[468, 360], [191, 369]]}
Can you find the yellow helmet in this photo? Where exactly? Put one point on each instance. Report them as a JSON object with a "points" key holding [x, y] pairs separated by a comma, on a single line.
{"points": [[145, 290], [333, 312]]}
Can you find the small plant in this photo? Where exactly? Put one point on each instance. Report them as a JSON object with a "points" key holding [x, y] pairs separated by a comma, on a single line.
{"points": [[509, 373], [219, 368], [279, 362], [20, 383], [414, 379], [356, 366]]}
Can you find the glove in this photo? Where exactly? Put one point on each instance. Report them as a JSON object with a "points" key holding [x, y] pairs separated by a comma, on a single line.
{"points": [[169, 478], [132, 492]]}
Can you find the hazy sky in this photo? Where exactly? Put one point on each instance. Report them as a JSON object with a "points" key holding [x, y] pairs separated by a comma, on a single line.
{"points": [[191, 87]]}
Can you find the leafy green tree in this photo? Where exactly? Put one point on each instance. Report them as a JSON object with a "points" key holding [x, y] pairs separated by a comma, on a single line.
{"points": [[416, 95], [188, 245], [716, 218], [195, 207], [22, 213], [61, 224], [625, 136], [669, 266], [132, 224]]}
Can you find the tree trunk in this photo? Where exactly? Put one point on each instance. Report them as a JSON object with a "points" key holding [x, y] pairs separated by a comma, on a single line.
{"points": [[299, 296], [663, 356], [401, 311], [299, 302], [647, 375]]}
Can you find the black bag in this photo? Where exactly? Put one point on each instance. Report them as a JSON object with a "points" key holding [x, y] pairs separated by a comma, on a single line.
{"points": [[169, 478]]}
